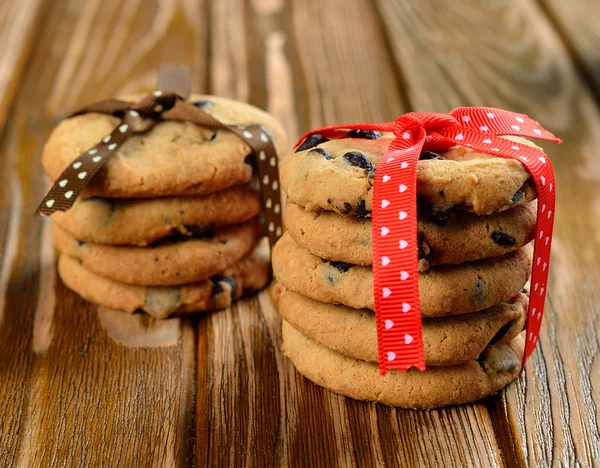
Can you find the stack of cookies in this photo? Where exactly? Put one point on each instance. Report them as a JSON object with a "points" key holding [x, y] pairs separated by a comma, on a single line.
{"points": [[169, 225], [476, 215]]}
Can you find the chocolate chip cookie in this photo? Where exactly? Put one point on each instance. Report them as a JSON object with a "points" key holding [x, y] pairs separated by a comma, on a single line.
{"points": [[443, 290], [169, 158], [447, 340], [337, 175], [496, 367], [457, 238], [218, 292], [166, 263], [141, 221]]}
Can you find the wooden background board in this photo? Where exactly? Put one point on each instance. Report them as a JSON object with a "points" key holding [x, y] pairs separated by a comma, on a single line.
{"points": [[83, 385]]}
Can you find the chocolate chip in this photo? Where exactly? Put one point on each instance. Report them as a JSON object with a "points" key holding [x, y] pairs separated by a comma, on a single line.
{"points": [[204, 104], [185, 233], [503, 239], [332, 275], [430, 155], [80, 261], [361, 209], [502, 332], [364, 134], [345, 208], [358, 159], [442, 193], [322, 152], [342, 267], [251, 161], [480, 293], [311, 141], [424, 253], [441, 212], [217, 281], [517, 197], [196, 230], [80, 243]]}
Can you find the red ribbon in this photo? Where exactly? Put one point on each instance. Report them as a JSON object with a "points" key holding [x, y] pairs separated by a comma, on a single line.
{"points": [[395, 257]]}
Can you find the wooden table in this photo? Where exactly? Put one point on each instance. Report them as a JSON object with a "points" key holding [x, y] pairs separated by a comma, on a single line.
{"points": [[82, 385]]}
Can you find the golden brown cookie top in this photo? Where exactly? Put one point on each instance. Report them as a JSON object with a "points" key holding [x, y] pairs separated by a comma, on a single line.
{"points": [[338, 175], [170, 158]]}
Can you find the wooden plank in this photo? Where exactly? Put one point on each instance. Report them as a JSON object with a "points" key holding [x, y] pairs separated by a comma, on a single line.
{"points": [[290, 58], [506, 54], [19, 24], [82, 385], [576, 23]]}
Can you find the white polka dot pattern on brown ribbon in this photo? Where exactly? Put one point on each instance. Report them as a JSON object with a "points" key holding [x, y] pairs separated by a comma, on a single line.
{"points": [[268, 174], [77, 175], [166, 106]]}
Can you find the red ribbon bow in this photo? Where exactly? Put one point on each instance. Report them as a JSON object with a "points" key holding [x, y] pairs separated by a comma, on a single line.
{"points": [[395, 257]]}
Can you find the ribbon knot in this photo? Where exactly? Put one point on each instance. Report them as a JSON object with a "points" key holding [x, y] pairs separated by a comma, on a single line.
{"points": [[429, 122], [394, 217]]}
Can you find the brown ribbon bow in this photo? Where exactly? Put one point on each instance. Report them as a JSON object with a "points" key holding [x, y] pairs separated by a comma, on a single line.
{"points": [[159, 106]]}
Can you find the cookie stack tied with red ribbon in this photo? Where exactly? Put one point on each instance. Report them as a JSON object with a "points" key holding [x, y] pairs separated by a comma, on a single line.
{"points": [[402, 274], [167, 221]]}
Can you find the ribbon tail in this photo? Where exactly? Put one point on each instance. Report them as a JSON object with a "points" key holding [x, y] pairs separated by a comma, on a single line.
{"points": [[69, 185], [545, 185], [395, 257], [265, 161], [539, 166]]}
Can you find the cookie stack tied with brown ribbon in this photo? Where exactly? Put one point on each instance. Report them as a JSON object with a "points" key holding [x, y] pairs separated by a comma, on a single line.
{"points": [[476, 217], [169, 225]]}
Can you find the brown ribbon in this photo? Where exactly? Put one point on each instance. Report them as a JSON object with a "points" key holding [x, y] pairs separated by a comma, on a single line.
{"points": [[160, 106]]}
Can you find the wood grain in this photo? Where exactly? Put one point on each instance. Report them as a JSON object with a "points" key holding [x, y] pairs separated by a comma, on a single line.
{"points": [[506, 54], [575, 22], [81, 385], [19, 25], [292, 46], [78, 386]]}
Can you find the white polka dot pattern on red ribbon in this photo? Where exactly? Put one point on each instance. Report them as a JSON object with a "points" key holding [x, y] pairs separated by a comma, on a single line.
{"points": [[395, 258], [540, 168], [395, 243]]}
